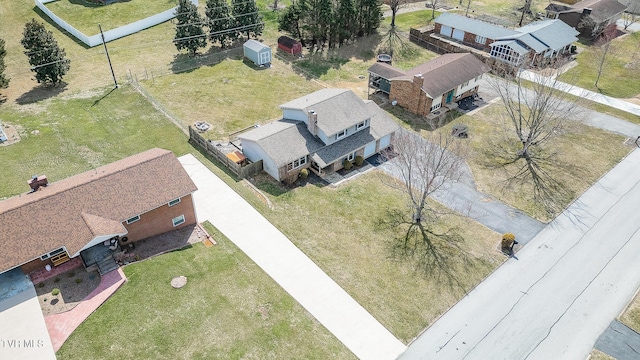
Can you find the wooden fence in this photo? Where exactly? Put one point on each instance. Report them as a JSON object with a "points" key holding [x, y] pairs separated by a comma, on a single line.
{"points": [[241, 171]]}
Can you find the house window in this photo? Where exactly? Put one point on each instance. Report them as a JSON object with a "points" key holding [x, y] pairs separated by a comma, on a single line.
{"points": [[297, 163], [481, 39], [174, 202], [351, 156], [465, 84], [436, 106], [178, 220], [361, 125], [53, 253], [341, 134], [133, 219]]}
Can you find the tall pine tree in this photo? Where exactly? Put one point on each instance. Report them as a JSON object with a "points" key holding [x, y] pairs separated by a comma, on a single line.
{"points": [[190, 33], [248, 19], [220, 22], [4, 81], [46, 58], [345, 21], [369, 16]]}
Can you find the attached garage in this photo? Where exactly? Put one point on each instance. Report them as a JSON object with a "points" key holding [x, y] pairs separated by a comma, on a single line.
{"points": [[369, 149], [257, 52], [445, 30], [458, 34]]}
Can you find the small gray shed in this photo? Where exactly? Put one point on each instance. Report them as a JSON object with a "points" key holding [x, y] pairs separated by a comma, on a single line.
{"points": [[257, 52]]}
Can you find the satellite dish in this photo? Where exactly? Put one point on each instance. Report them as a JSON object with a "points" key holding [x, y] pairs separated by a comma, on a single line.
{"points": [[394, 102]]}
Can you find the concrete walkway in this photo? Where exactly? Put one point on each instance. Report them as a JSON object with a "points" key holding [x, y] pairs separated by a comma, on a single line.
{"points": [[288, 266], [61, 325], [23, 333], [561, 292], [583, 93]]}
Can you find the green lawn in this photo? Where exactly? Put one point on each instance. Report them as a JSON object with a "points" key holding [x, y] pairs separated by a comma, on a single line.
{"points": [[82, 132], [229, 309], [620, 77], [405, 21], [631, 316], [86, 16], [355, 252]]}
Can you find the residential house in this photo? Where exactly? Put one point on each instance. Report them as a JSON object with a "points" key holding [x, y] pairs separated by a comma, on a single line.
{"points": [[319, 131], [131, 199], [532, 45], [426, 89], [589, 17]]}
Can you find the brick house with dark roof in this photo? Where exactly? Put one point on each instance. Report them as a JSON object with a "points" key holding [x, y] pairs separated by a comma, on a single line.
{"points": [[428, 88], [131, 199], [319, 131]]}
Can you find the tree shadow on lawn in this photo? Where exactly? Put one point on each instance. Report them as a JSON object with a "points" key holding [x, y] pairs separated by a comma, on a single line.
{"points": [[185, 63], [89, 4], [41, 92], [48, 20]]}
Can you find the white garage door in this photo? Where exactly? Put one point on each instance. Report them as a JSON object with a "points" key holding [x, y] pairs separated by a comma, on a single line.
{"points": [[385, 141], [370, 149], [458, 34], [445, 30]]}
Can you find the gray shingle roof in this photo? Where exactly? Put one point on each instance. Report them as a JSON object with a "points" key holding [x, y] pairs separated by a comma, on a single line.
{"points": [[473, 26], [385, 71], [337, 109], [601, 10], [447, 72], [554, 34], [286, 140]]}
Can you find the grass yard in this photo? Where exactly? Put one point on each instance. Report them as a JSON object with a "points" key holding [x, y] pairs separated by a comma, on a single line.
{"points": [[599, 355], [631, 316], [405, 21], [86, 16], [621, 75], [579, 163], [81, 132], [340, 233], [229, 309]]}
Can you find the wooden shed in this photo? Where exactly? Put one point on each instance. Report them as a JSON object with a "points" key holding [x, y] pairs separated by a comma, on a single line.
{"points": [[289, 45], [257, 52]]}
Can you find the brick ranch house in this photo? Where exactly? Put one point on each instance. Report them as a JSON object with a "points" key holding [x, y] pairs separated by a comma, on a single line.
{"points": [[428, 89], [319, 131], [536, 44], [129, 200]]}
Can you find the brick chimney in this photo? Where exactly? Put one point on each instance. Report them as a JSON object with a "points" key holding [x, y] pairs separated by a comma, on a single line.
{"points": [[586, 11], [36, 181], [312, 123], [418, 79]]}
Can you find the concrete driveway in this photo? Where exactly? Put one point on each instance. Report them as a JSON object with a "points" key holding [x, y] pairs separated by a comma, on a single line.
{"points": [[23, 332], [358, 330], [563, 289]]}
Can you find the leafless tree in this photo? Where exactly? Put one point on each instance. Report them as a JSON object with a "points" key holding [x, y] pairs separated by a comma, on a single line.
{"points": [[422, 166], [632, 14], [395, 5], [466, 13], [603, 47], [537, 111], [526, 9], [433, 4]]}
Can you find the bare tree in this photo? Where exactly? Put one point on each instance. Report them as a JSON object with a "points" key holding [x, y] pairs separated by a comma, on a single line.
{"points": [[526, 9], [423, 166], [466, 13], [538, 111], [395, 5], [631, 15], [603, 46], [433, 4]]}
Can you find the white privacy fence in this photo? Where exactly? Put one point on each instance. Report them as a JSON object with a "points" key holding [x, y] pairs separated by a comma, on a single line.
{"points": [[112, 34]]}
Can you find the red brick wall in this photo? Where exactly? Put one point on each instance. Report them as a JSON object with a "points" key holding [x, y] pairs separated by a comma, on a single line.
{"points": [[409, 95], [159, 220]]}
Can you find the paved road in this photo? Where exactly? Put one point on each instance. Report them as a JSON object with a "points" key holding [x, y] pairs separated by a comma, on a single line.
{"points": [[288, 266], [562, 291]]}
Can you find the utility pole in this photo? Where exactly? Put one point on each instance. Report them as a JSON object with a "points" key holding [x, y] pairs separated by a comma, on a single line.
{"points": [[108, 58]]}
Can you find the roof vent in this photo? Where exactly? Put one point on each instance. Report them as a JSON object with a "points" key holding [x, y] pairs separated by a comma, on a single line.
{"points": [[36, 181]]}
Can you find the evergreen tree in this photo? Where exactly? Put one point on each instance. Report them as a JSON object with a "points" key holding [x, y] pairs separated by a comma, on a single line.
{"points": [[4, 81], [46, 58], [291, 21], [345, 21], [369, 16], [220, 22], [190, 33], [248, 19]]}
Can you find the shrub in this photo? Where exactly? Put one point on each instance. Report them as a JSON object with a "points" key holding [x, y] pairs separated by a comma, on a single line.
{"points": [[359, 160], [78, 281], [55, 292], [56, 279], [507, 240], [304, 173], [41, 285], [347, 164]]}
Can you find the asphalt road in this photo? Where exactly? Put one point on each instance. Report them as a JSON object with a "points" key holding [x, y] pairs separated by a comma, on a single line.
{"points": [[563, 289]]}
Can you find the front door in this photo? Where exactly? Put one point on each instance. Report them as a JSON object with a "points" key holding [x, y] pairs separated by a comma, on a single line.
{"points": [[449, 96]]}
